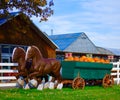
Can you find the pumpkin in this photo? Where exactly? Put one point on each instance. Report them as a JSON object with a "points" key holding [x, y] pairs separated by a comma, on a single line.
{"points": [[107, 61], [76, 58], [84, 58], [80, 59], [70, 58], [102, 60], [96, 59]]}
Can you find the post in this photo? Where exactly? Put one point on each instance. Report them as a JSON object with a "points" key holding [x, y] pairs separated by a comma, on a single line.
{"points": [[117, 73]]}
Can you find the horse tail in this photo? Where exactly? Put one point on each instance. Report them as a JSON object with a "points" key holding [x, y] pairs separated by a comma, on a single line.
{"points": [[57, 70]]}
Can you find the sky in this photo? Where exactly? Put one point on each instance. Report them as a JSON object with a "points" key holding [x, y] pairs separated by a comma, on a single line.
{"points": [[98, 19]]}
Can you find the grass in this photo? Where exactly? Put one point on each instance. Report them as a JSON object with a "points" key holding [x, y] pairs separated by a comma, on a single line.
{"points": [[89, 93]]}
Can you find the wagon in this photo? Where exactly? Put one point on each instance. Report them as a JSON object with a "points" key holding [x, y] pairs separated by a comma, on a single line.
{"points": [[80, 74]]}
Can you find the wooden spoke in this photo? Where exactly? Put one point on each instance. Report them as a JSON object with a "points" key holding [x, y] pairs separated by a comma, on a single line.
{"points": [[107, 81], [78, 83]]}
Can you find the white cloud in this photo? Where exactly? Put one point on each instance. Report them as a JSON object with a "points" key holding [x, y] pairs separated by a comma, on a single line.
{"points": [[99, 19], [105, 40]]}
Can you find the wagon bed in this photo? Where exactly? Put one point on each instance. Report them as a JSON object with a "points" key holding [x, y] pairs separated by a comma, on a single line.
{"points": [[86, 70]]}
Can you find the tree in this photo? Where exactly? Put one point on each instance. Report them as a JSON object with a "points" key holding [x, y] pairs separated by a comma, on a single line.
{"points": [[38, 8]]}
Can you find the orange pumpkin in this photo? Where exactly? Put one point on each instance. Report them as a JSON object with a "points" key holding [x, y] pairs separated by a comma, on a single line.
{"points": [[80, 59], [102, 60], [91, 60], [70, 58], [84, 58], [96, 59], [76, 58], [107, 61]]}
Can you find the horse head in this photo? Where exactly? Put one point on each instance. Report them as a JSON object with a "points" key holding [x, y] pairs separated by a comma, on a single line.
{"points": [[18, 53], [18, 56], [32, 51], [29, 53]]}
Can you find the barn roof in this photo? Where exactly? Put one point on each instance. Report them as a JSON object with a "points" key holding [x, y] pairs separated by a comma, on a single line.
{"points": [[80, 43], [114, 51], [5, 19], [105, 51], [41, 34], [74, 42], [64, 40]]}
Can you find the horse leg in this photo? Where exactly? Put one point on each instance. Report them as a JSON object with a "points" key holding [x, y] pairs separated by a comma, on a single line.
{"points": [[34, 76], [53, 79], [56, 72], [46, 78], [24, 75], [39, 80], [21, 74], [59, 78]]}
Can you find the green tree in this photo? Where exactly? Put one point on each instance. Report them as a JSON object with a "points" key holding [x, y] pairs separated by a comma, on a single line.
{"points": [[38, 8]]}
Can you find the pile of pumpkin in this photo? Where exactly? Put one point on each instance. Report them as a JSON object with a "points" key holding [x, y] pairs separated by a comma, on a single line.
{"points": [[87, 59]]}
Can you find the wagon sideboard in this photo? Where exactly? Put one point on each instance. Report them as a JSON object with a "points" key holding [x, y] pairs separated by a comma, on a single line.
{"points": [[87, 70]]}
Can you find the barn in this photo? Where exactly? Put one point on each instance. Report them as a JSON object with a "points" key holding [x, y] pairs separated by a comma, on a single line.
{"points": [[79, 44], [18, 30]]}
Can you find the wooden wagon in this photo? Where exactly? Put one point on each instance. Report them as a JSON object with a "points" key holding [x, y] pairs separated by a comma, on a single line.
{"points": [[80, 74]]}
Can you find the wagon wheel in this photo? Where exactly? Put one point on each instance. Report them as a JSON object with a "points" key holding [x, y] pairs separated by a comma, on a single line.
{"points": [[78, 83], [107, 81]]}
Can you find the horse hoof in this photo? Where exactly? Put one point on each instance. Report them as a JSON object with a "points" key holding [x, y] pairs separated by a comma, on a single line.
{"points": [[33, 83], [40, 86], [51, 85], [46, 85], [26, 87], [19, 86], [20, 83], [60, 86]]}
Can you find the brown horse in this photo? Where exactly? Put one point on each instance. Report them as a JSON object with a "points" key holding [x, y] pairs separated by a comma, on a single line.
{"points": [[41, 65], [18, 56]]}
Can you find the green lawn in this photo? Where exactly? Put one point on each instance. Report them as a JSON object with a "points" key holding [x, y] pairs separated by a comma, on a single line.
{"points": [[89, 93]]}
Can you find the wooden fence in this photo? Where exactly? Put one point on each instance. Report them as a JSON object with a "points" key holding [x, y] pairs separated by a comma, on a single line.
{"points": [[7, 80], [10, 81], [116, 72]]}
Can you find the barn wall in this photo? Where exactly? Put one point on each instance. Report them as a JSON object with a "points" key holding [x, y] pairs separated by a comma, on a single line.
{"points": [[51, 53], [19, 31]]}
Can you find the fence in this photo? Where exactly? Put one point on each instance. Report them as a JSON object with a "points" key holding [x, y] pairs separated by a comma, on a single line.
{"points": [[7, 81], [116, 72]]}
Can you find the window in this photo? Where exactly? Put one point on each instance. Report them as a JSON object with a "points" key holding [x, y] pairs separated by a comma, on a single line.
{"points": [[11, 48], [5, 48]]}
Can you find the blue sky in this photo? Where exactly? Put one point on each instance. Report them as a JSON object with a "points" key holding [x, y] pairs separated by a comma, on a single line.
{"points": [[99, 19]]}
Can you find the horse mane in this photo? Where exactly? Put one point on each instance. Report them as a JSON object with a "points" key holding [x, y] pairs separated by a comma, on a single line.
{"points": [[15, 50], [35, 50]]}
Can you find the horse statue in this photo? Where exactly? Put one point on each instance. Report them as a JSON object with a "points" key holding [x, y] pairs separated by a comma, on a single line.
{"points": [[18, 56], [24, 67], [43, 66]]}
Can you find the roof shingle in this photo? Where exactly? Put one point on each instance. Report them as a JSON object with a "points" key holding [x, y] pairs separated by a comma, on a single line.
{"points": [[64, 40], [74, 42]]}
